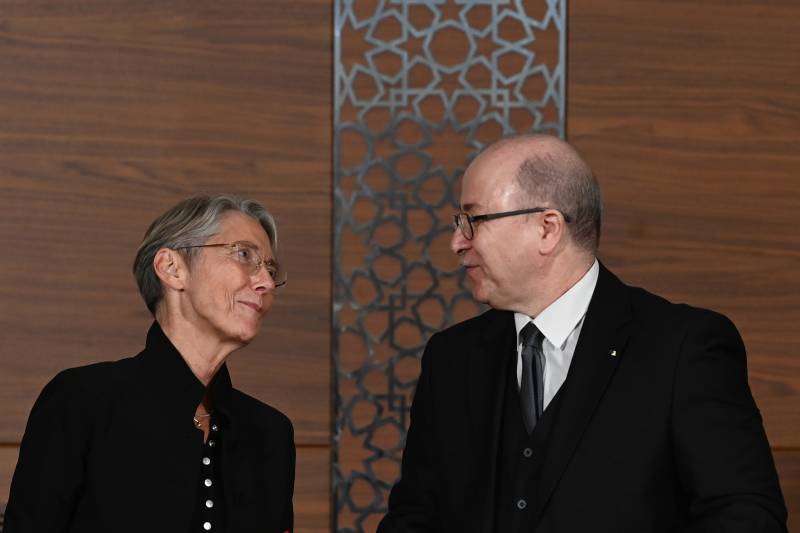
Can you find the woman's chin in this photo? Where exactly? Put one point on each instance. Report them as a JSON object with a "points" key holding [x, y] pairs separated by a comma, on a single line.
{"points": [[249, 330]]}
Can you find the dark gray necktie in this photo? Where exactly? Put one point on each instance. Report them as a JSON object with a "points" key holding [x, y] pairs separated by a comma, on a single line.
{"points": [[531, 392]]}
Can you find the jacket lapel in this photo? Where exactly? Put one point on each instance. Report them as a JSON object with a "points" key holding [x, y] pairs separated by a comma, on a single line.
{"points": [[488, 365], [600, 347]]}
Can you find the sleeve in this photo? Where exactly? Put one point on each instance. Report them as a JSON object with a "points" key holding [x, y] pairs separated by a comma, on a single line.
{"points": [[722, 454], [413, 500], [50, 469]]}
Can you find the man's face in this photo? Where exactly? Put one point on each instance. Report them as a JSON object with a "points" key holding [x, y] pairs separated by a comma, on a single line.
{"points": [[500, 258], [222, 296]]}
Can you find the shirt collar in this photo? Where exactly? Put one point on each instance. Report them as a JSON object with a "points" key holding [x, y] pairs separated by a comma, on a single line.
{"points": [[176, 381], [557, 320]]}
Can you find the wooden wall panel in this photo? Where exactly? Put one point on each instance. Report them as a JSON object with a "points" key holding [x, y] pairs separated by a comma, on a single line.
{"points": [[113, 110], [8, 460], [688, 112], [312, 501]]}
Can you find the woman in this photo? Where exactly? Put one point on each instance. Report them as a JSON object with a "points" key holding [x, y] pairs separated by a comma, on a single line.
{"points": [[161, 441]]}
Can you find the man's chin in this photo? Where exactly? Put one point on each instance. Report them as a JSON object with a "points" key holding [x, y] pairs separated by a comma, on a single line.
{"points": [[479, 295]]}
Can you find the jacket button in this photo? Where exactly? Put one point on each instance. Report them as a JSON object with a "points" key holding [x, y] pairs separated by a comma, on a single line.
{"points": [[521, 504], [527, 452]]}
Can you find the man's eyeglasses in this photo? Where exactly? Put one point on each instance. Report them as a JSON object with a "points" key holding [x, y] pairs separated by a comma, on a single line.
{"points": [[465, 222], [249, 257]]}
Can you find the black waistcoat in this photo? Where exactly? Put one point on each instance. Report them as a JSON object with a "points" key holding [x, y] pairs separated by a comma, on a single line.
{"points": [[520, 461]]}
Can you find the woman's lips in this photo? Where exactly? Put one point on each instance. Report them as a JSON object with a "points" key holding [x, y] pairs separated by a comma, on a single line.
{"points": [[254, 306]]}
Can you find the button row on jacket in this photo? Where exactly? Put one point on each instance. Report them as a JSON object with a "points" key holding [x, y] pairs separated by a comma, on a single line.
{"points": [[527, 452]]}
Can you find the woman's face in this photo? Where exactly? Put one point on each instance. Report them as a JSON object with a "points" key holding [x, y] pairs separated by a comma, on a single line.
{"points": [[223, 298]]}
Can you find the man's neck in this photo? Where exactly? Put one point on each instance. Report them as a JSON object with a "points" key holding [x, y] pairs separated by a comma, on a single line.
{"points": [[557, 278]]}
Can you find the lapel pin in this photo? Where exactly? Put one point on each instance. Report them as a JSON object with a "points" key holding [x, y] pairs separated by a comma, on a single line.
{"points": [[612, 353]]}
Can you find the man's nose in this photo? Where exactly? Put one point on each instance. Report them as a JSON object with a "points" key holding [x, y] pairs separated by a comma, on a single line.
{"points": [[458, 243]]}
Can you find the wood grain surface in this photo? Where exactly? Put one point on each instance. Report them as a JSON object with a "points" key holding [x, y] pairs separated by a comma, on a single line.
{"points": [[113, 111], [8, 461], [312, 487]]}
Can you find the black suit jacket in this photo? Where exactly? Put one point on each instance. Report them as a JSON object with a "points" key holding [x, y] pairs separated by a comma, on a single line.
{"points": [[111, 447], [656, 428]]}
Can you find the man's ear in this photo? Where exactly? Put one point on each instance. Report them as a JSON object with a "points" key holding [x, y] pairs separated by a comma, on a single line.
{"points": [[170, 268], [553, 230]]}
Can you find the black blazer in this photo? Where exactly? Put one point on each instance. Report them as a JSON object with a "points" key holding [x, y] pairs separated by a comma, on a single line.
{"points": [[111, 447], [656, 429]]}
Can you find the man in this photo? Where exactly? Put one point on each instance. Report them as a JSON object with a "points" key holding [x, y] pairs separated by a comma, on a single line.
{"points": [[613, 411]]}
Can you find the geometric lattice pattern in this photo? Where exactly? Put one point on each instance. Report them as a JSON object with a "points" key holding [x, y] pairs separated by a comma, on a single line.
{"points": [[419, 88]]}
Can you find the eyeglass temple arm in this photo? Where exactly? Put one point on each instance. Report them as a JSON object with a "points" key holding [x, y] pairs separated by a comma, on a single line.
{"points": [[492, 216]]}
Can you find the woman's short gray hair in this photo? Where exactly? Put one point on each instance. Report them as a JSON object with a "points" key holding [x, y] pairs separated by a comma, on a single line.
{"points": [[189, 223]]}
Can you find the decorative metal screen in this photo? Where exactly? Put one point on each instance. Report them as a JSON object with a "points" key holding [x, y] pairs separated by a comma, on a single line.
{"points": [[420, 87]]}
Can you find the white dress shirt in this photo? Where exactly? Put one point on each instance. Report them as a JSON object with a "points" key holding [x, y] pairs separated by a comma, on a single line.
{"points": [[560, 323]]}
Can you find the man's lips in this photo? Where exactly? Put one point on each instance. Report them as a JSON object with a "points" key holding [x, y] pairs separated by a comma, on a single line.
{"points": [[472, 270], [252, 305]]}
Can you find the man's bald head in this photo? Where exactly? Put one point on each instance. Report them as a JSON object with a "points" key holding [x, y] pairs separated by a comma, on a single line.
{"points": [[551, 173]]}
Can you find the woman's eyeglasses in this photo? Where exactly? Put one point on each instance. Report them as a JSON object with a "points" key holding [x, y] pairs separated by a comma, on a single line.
{"points": [[248, 256]]}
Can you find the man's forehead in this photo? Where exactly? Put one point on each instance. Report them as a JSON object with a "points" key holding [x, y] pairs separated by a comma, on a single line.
{"points": [[486, 184]]}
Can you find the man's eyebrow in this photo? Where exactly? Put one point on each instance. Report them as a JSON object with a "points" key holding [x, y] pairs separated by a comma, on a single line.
{"points": [[470, 207]]}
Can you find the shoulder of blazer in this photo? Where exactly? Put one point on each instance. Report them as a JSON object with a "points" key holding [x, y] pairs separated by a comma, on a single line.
{"points": [[649, 308], [97, 379], [253, 411], [473, 329], [467, 339], [82, 393]]}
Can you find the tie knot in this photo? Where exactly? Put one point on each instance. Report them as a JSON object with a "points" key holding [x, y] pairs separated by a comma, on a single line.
{"points": [[531, 336]]}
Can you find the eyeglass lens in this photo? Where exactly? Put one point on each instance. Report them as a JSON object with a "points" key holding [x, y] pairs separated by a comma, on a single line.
{"points": [[255, 261], [463, 223]]}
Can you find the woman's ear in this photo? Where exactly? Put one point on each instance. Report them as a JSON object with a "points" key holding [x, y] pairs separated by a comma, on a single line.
{"points": [[170, 268]]}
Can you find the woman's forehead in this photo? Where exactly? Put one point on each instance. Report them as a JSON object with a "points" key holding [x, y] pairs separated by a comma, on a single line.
{"points": [[244, 229]]}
